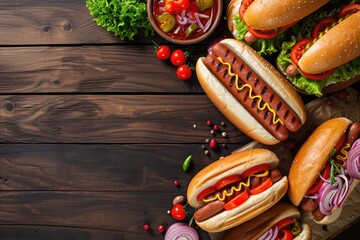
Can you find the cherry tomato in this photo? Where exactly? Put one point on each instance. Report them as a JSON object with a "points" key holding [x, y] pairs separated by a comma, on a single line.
{"points": [[178, 212], [206, 192], [227, 181], [256, 169], [322, 25], [171, 7], [238, 200], [178, 57], [182, 4], [163, 52], [284, 223], [262, 187], [183, 72], [285, 235], [349, 9], [325, 173]]}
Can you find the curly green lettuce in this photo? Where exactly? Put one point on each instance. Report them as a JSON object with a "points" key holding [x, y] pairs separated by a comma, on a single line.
{"points": [[122, 17], [312, 87], [262, 46]]}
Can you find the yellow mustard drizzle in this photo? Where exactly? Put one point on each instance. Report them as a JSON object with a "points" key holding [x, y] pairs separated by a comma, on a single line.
{"points": [[266, 105], [323, 32], [345, 152], [222, 195]]}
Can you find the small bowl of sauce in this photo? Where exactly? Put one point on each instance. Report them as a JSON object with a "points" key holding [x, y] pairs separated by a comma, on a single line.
{"points": [[184, 21]]}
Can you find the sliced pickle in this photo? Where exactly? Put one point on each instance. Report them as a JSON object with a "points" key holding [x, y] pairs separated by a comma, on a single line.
{"points": [[192, 28], [167, 21], [204, 4]]}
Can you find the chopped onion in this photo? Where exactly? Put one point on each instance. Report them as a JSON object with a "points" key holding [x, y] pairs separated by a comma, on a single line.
{"points": [[269, 234], [201, 15], [208, 24], [353, 161], [198, 20], [181, 231], [333, 195], [177, 29]]}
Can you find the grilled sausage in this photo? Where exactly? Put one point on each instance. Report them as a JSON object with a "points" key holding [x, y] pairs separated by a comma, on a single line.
{"points": [[209, 210]]}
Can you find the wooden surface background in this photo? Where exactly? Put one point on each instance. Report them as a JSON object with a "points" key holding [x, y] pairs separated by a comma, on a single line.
{"points": [[94, 130]]}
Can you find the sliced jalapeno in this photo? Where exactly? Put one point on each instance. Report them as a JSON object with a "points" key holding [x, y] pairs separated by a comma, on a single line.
{"points": [[167, 21], [192, 28], [204, 4]]}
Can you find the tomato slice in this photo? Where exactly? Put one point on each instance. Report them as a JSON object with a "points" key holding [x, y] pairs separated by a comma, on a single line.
{"points": [[286, 222], [264, 34], [206, 192], [322, 25], [298, 50], [289, 25], [319, 76], [349, 9], [262, 187], [238, 200], [256, 169], [227, 181], [285, 235], [296, 53], [243, 7], [325, 173]]}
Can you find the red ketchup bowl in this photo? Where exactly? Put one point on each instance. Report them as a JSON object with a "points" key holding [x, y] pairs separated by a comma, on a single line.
{"points": [[184, 21]]}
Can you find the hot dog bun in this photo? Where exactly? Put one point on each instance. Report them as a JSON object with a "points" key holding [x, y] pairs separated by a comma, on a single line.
{"points": [[231, 107], [278, 13], [313, 155], [311, 159], [236, 163], [340, 45], [252, 230], [274, 13]]}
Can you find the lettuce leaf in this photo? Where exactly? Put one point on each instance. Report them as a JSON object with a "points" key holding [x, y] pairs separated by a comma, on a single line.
{"points": [[122, 17], [262, 46], [312, 87]]}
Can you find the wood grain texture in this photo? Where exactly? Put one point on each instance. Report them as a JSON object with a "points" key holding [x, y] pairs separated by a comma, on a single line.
{"points": [[38, 22], [93, 167], [109, 119], [94, 69]]}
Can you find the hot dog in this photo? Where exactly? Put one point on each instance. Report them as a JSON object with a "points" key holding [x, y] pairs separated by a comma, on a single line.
{"points": [[324, 56], [226, 190], [282, 221], [325, 170], [247, 90], [261, 23]]}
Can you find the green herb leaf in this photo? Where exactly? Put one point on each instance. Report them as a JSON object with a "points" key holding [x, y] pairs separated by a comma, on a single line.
{"points": [[122, 17], [187, 162], [334, 168]]}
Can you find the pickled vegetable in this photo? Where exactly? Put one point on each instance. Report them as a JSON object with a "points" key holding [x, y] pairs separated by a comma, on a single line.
{"points": [[204, 4], [167, 21], [192, 28]]}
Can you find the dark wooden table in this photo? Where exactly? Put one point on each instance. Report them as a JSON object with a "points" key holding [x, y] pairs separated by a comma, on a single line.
{"points": [[94, 130]]}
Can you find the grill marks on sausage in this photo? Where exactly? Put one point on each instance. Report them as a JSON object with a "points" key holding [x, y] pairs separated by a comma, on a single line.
{"points": [[259, 87], [251, 105]]}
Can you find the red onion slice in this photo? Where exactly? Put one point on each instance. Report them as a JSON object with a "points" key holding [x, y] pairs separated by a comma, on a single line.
{"points": [[353, 161], [181, 231]]}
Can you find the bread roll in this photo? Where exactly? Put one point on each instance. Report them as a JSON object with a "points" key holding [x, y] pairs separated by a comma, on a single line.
{"points": [[252, 230], [338, 46], [231, 107], [313, 155], [233, 164], [271, 14]]}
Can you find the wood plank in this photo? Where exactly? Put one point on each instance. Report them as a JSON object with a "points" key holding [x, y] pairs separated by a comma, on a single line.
{"points": [[123, 68], [49, 22], [29, 22], [70, 167], [110, 119]]}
